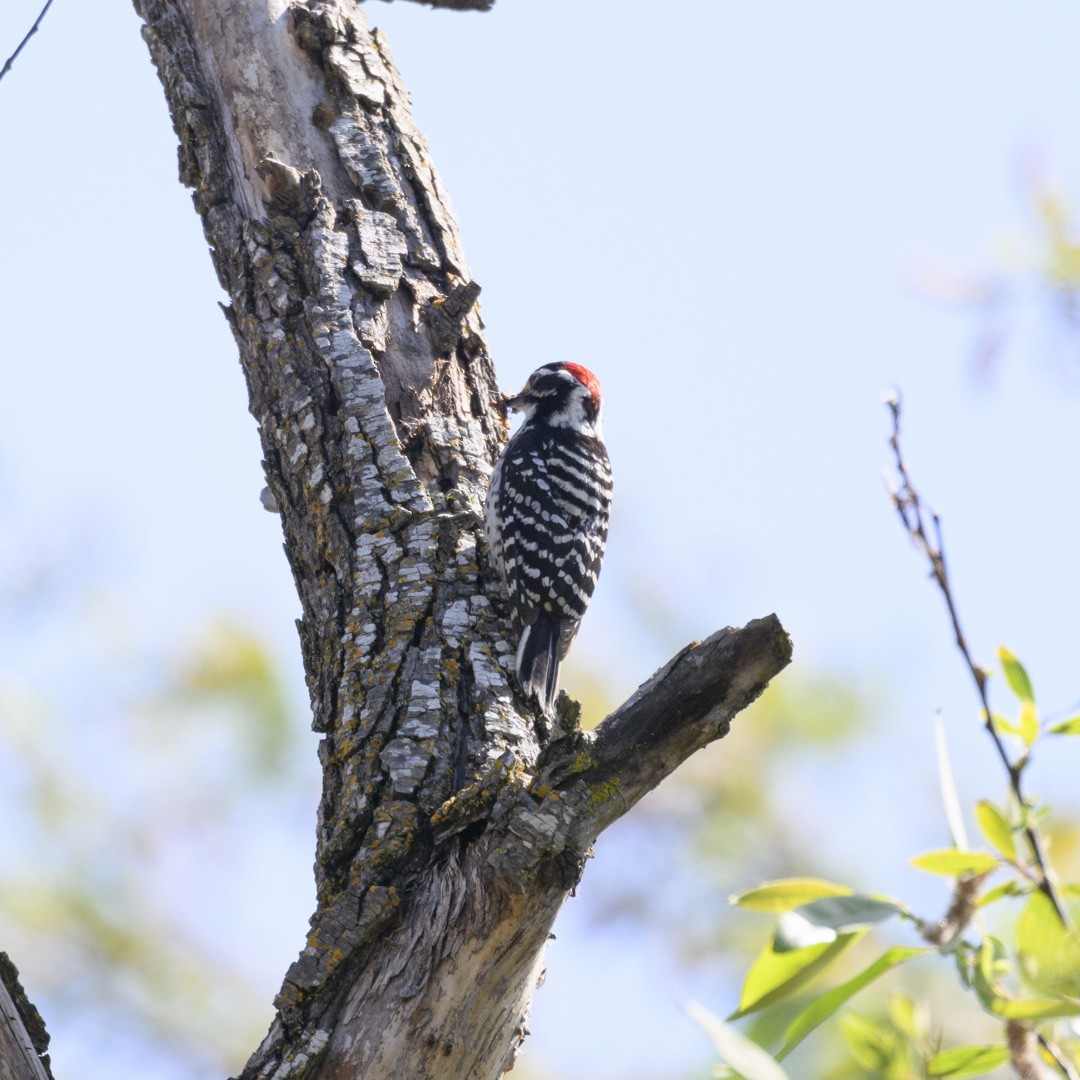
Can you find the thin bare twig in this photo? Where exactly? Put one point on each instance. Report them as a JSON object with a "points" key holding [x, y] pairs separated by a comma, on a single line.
{"points": [[908, 505], [1064, 1065], [29, 34]]}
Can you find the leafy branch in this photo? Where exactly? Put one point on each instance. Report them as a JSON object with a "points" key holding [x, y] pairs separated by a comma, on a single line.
{"points": [[910, 508], [1028, 985]]}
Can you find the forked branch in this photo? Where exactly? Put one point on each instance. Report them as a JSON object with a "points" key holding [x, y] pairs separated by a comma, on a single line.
{"points": [[584, 781]]}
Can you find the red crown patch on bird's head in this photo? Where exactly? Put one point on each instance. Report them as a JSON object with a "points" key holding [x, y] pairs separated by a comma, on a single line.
{"points": [[587, 379]]}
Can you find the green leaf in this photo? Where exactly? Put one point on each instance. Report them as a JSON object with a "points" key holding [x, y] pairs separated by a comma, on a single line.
{"points": [[1003, 726], [965, 964], [1015, 675], [910, 1017], [775, 975], [1029, 722], [787, 894], [965, 1061], [1035, 1008], [1010, 888], [1066, 727], [844, 913], [984, 973], [947, 783], [820, 1010], [994, 958], [871, 1044], [996, 828], [745, 1057], [1049, 953], [950, 863]]}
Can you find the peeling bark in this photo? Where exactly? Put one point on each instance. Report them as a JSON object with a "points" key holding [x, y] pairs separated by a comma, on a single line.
{"points": [[454, 820]]}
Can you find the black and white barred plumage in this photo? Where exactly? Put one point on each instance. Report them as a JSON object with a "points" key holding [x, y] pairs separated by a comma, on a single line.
{"points": [[547, 517]]}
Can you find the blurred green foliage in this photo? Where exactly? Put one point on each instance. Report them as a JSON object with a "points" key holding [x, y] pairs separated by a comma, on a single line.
{"points": [[228, 669], [1059, 250], [1038, 271], [1024, 974], [724, 819], [111, 811]]}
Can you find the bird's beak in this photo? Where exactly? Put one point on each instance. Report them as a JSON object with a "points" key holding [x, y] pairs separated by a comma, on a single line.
{"points": [[516, 402]]}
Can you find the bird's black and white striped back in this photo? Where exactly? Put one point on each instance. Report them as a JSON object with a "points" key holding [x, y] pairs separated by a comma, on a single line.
{"points": [[547, 524]]}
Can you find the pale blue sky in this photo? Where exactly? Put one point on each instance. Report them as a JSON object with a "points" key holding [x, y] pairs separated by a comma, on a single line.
{"points": [[718, 207]]}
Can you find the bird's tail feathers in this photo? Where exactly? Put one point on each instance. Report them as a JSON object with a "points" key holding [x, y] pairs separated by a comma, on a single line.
{"points": [[538, 661]]}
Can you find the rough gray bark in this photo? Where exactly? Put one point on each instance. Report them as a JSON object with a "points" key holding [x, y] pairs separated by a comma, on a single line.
{"points": [[23, 1039], [453, 820]]}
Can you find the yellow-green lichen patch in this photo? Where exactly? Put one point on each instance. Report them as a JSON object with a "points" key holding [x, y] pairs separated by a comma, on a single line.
{"points": [[604, 792], [583, 760], [289, 997], [391, 836], [332, 958]]}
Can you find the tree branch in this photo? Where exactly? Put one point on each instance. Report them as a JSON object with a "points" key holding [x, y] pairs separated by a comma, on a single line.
{"points": [[543, 827], [1061, 1062], [29, 34], [687, 704], [910, 509], [23, 1038]]}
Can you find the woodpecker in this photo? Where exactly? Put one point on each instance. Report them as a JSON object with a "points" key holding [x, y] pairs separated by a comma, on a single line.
{"points": [[546, 517]]}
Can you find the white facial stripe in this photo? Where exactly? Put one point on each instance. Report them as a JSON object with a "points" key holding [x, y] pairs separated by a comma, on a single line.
{"points": [[572, 415]]}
